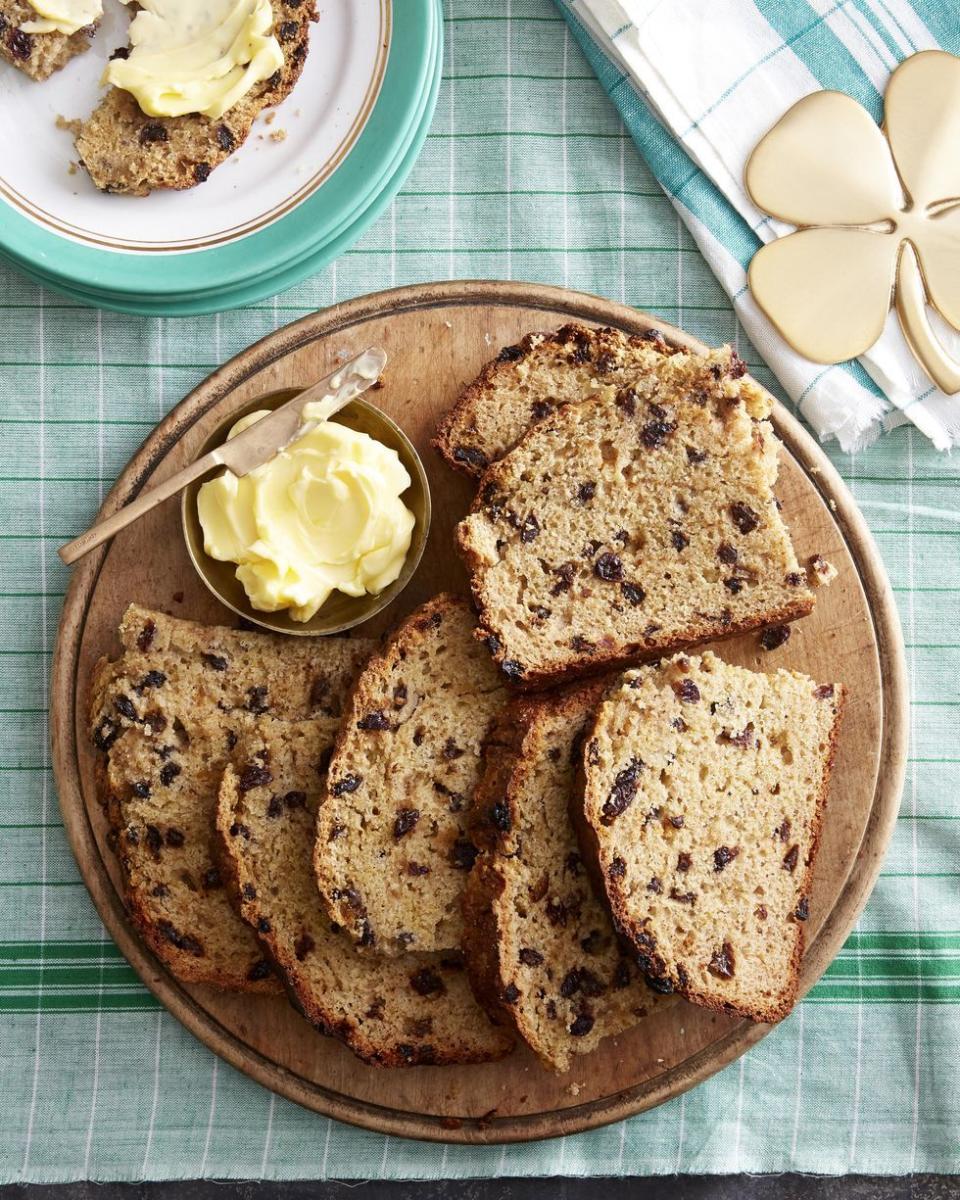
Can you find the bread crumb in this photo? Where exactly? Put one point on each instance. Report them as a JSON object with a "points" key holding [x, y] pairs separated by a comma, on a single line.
{"points": [[574, 1089], [72, 168], [820, 573], [73, 126], [487, 338], [833, 504], [449, 324], [278, 135], [270, 117]]}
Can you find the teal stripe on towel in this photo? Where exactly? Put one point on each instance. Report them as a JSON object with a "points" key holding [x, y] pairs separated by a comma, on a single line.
{"points": [[673, 167], [821, 51]]}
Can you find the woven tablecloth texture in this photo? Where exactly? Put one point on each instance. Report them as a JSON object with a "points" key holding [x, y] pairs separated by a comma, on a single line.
{"points": [[528, 173]]}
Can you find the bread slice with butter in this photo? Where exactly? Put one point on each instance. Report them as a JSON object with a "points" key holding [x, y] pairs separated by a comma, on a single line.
{"points": [[126, 151], [38, 55]]}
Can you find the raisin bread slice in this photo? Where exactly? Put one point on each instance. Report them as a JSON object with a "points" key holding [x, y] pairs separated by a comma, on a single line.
{"points": [[630, 526], [38, 55], [393, 844], [166, 717], [540, 947], [526, 382], [405, 1011], [705, 786], [126, 151]]}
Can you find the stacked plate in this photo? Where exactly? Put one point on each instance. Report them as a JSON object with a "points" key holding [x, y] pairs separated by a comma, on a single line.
{"points": [[312, 176]]}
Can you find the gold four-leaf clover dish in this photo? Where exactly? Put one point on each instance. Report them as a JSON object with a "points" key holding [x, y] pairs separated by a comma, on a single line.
{"points": [[878, 212]]}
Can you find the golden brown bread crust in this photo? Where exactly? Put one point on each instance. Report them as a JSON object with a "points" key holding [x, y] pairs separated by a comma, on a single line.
{"points": [[470, 438], [38, 55], [126, 151], [485, 883]]}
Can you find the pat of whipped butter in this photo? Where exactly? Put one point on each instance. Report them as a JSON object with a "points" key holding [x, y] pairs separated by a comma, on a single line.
{"points": [[325, 514], [196, 56], [62, 16]]}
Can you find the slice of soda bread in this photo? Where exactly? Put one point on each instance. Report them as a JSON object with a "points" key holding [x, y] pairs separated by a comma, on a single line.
{"points": [[126, 151], [540, 947], [166, 717], [705, 786], [393, 834], [392, 1012], [38, 55], [629, 526], [524, 383]]}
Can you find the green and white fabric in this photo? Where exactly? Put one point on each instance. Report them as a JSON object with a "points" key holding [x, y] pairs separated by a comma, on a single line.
{"points": [[528, 173], [699, 87]]}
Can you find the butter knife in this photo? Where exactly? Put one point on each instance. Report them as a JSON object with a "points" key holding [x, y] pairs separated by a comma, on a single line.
{"points": [[252, 448]]}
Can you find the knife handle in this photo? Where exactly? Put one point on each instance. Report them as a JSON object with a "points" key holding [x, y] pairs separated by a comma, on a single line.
{"points": [[347, 381], [111, 525]]}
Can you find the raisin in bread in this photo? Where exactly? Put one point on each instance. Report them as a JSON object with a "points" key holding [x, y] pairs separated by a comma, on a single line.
{"points": [[393, 844], [404, 1011], [124, 150], [705, 786], [526, 382], [629, 526], [38, 55], [166, 717], [540, 947]]}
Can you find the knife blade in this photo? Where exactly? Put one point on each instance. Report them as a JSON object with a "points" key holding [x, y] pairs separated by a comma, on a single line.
{"points": [[251, 448], [266, 438]]}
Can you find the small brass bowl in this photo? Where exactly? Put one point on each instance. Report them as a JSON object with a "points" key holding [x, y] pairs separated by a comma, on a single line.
{"points": [[340, 611]]}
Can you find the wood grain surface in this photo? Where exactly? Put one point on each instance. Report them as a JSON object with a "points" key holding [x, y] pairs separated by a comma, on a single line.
{"points": [[437, 337]]}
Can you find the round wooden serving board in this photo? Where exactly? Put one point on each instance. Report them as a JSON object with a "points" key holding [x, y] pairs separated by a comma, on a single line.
{"points": [[437, 337]]}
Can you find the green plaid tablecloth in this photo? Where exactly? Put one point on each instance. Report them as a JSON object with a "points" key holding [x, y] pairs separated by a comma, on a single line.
{"points": [[527, 174]]}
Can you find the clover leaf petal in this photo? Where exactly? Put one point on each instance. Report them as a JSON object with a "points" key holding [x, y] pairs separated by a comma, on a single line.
{"points": [[938, 244], [825, 162], [922, 120], [826, 290]]}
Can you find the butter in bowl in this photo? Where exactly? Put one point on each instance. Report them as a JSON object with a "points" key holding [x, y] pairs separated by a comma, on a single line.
{"points": [[323, 535]]}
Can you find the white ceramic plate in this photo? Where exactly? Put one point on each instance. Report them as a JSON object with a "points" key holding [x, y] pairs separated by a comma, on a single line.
{"points": [[266, 178]]}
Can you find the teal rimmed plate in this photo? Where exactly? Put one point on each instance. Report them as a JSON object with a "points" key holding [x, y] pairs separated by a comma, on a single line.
{"points": [[296, 186], [286, 276]]}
